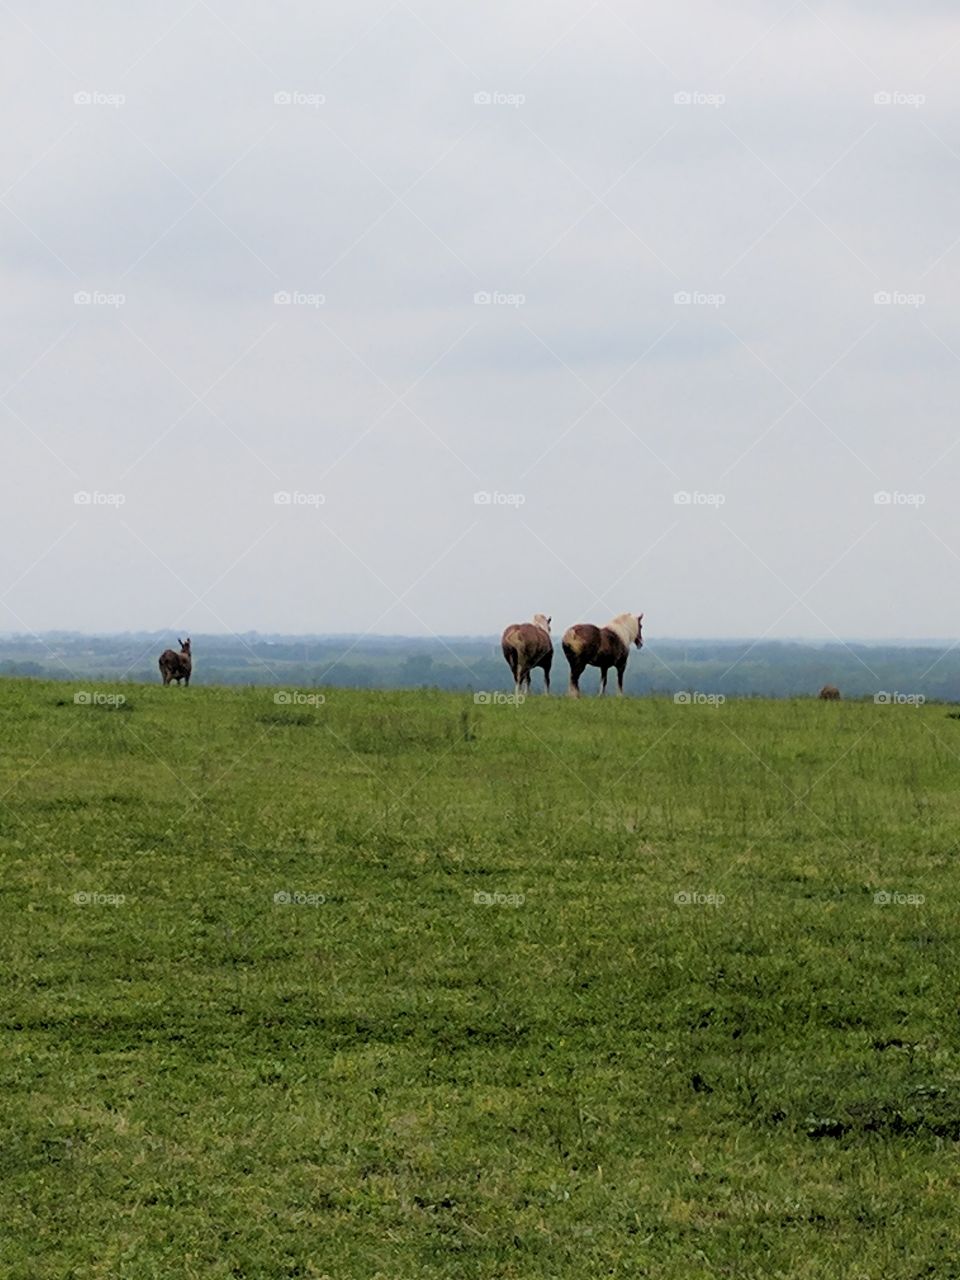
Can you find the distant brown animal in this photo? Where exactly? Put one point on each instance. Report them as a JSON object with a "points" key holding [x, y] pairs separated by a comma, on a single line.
{"points": [[830, 693], [526, 646], [177, 666], [588, 646]]}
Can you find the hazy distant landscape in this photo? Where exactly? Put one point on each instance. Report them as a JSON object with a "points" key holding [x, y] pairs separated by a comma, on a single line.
{"points": [[736, 668]]}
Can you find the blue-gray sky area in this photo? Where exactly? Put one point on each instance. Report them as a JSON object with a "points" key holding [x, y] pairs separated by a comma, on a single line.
{"points": [[420, 317]]}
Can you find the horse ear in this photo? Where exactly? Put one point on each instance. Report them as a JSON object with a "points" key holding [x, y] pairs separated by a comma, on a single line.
{"points": [[639, 617], [549, 621]]}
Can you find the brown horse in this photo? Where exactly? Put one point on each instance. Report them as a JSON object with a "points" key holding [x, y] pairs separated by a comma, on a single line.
{"points": [[588, 646], [526, 646], [177, 666], [829, 693]]}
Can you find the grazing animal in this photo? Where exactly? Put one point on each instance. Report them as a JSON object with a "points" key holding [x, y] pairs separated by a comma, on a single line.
{"points": [[829, 693], [526, 646], [588, 646], [177, 666]]}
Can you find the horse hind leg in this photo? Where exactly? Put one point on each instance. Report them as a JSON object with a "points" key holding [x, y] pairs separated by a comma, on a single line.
{"points": [[521, 676], [603, 682], [621, 670], [514, 664], [546, 674], [576, 671]]}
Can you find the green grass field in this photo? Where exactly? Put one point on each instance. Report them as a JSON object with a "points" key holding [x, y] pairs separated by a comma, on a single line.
{"points": [[483, 1038]]}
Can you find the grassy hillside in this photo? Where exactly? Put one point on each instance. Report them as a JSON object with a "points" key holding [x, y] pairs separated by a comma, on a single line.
{"points": [[400, 985]]}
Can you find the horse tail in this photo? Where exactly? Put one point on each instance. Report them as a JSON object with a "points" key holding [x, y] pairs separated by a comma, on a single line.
{"points": [[572, 643], [510, 645], [513, 660]]}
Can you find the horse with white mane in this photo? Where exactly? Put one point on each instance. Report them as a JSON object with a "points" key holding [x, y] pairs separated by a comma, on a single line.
{"points": [[526, 646], [588, 646]]}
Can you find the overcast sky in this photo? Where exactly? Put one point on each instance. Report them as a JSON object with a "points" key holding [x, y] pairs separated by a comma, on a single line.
{"points": [[584, 166]]}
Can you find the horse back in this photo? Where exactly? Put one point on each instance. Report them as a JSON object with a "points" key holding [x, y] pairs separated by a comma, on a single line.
{"points": [[176, 663], [582, 640], [527, 641], [612, 647]]}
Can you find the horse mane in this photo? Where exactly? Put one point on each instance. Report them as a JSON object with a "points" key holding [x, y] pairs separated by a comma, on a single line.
{"points": [[625, 626]]}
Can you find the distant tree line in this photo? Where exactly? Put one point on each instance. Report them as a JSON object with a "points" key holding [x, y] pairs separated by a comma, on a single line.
{"points": [[734, 668]]}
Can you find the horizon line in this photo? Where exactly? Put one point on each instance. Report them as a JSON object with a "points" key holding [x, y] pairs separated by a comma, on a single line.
{"points": [[6, 636]]}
